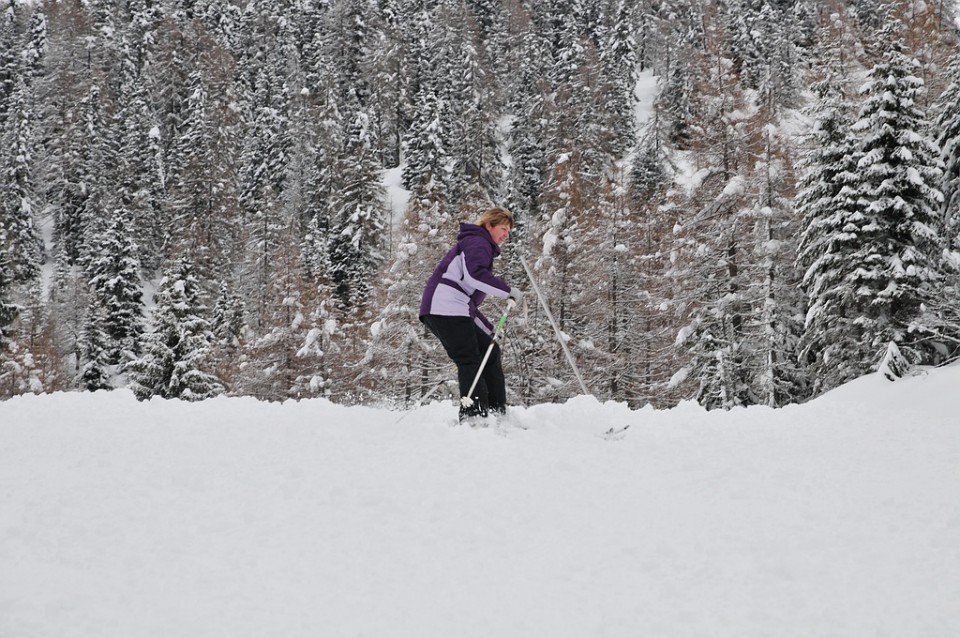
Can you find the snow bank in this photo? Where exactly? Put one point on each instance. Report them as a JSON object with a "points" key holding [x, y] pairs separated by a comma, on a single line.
{"points": [[237, 518]]}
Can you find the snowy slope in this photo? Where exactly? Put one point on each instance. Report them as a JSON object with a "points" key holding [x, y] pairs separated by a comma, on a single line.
{"points": [[233, 518]]}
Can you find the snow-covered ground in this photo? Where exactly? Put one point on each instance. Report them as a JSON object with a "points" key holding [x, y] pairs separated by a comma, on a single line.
{"points": [[232, 519]]}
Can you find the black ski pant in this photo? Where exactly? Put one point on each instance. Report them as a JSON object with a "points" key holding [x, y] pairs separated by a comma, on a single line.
{"points": [[466, 343]]}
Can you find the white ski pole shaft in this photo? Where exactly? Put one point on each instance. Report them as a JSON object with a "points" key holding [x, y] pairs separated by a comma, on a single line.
{"points": [[556, 328], [467, 401]]}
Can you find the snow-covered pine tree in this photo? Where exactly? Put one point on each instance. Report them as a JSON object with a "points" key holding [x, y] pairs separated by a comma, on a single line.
{"points": [[94, 352], [762, 50], [351, 41], [75, 157], [425, 157], [10, 64], [228, 325], [568, 207], [35, 43], [389, 82], [357, 224], [114, 279], [947, 125], [619, 64], [8, 309], [943, 312], [677, 101], [527, 166], [321, 343], [832, 345], [897, 268], [227, 320], [469, 110], [264, 172], [8, 314], [140, 157], [19, 237], [222, 19], [177, 351]]}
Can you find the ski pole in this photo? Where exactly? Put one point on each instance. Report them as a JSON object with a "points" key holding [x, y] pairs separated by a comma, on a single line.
{"points": [[556, 328], [467, 401]]}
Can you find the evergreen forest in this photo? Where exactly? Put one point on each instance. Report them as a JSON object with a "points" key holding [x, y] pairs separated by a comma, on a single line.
{"points": [[734, 202]]}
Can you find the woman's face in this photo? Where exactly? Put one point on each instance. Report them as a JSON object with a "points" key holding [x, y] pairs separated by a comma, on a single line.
{"points": [[499, 233]]}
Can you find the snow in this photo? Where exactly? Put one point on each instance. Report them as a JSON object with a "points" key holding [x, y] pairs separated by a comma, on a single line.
{"points": [[837, 518], [645, 93], [397, 195]]}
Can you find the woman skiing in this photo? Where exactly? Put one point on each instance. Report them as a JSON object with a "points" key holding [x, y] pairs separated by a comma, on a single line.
{"points": [[449, 309]]}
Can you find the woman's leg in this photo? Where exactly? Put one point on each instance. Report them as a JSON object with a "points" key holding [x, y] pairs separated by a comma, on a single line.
{"points": [[459, 338], [493, 374]]}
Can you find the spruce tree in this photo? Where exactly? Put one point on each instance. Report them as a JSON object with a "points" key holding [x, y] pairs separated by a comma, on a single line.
{"points": [[8, 314], [177, 351], [94, 352], [8, 309], [264, 175], [896, 268], [468, 109], [832, 345], [19, 236], [947, 124], [227, 321], [358, 220], [114, 279]]}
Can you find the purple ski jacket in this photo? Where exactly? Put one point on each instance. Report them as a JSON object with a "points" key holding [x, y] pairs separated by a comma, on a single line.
{"points": [[464, 278]]}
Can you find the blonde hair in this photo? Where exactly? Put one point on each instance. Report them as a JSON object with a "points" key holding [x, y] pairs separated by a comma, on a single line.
{"points": [[496, 216]]}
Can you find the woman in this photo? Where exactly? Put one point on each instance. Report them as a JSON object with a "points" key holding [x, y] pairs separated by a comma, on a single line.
{"points": [[449, 309]]}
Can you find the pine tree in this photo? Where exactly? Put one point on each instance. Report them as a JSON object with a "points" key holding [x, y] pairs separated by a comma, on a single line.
{"points": [[36, 44], [176, 353], [468, 110], [9, 62], [8, 309], [527, 167], [943, 313], [947, 124], [93, 353], [897, 268], [358, 219], [264, 176], [230, 334], [227, 321], [321, 343], [833, 344], [140, 155], [114, 279], [425, 155], [19, 236]]}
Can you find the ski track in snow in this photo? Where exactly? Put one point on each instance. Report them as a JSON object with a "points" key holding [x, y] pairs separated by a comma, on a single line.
{"points": [[233, 518]]}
